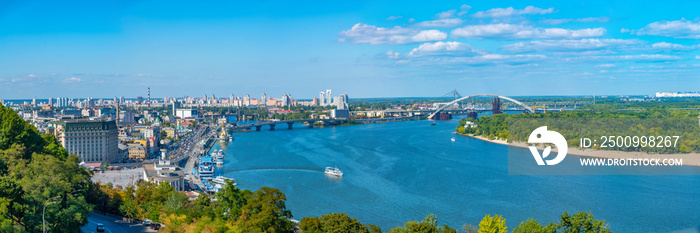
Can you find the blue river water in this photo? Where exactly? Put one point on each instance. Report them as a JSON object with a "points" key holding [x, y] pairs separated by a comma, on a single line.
{"points": [[401, 171]]}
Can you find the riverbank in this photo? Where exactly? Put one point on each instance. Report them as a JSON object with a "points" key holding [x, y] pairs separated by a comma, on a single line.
{"points": [[692, 159]]}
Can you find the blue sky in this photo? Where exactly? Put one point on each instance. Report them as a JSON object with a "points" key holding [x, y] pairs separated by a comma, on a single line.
{"points": [[365, 48]]}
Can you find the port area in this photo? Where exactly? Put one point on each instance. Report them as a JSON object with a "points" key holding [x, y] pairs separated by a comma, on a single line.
{"points": [[204, 144]]}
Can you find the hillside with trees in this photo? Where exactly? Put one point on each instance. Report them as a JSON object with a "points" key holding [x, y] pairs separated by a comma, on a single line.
{"points": [[36, 172]]}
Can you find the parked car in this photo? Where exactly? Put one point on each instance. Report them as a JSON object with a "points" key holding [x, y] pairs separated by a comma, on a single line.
{"points": [[155, 226], [100, 227]]}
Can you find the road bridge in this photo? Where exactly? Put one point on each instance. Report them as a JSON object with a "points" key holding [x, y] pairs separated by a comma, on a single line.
{"points": [[446, 106], [290, 123]]}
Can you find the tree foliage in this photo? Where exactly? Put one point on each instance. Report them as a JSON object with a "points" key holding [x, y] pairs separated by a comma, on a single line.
{"points": [[581, 222], [427, 225], [574, 125], [335, 223], [233, 210], [35, 170], [495, 224]]}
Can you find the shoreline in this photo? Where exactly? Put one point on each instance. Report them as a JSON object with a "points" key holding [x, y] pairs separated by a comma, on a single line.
{"points": [[690, 159]]}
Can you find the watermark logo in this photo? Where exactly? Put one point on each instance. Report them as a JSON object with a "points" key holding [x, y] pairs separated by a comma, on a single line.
{"points": [[542, 135]]}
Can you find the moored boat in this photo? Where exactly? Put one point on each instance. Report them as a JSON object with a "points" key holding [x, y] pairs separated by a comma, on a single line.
{"points": [[222, 180], [206, 168]]}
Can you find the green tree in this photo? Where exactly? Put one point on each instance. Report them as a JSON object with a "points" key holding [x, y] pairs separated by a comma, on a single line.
{"points": [[495, 224], [34, 169], [582, 222], [532, 226], [265, 211], [231, 200], [341, 222], [311, 224], [428, 225], [176, 201]]}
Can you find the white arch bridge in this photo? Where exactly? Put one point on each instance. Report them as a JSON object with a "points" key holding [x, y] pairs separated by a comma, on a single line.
{"points": [[528, 108]]}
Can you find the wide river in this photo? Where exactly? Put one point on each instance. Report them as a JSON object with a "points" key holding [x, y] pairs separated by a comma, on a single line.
{"points": [[401, 171]]}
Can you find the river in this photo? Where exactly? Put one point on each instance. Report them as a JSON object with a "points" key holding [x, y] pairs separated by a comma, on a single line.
{"points": [[401, 171]]}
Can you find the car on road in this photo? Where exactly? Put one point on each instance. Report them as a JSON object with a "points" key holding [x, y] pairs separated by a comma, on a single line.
{"points": [[100, 227]]}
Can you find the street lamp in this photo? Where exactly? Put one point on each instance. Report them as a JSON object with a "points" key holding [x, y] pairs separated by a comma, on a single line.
{"points": [[43, 221]]}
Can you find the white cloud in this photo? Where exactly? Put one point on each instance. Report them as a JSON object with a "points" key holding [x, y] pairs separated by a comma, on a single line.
{"points": [[624, 30], [72, 80], [639, 57], [599, 46], [440, 23], [678, 29], [394, 17], [369, 34], [697, 57], [446, 14], [429, 35], [444, 48], [605, 66], [569, 45], [392, 55], [463, 10], [493, 59], [510, 11], [555, 21], [601, 19], [514, 32], [670, 46]]}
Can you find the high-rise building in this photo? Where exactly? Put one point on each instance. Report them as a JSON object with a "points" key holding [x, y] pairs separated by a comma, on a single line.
{"points": [[287, 100], [341, 101], [139, 99], [34, 102], [322, 99], [92, 140], [329, 97], [50, 101], [230, 98], [149, 98], [176, 105], [315, 102], [246, 100], [263, 99]]}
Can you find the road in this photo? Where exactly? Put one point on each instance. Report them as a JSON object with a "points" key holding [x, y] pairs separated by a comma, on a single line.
{"points": [[112, 224]]}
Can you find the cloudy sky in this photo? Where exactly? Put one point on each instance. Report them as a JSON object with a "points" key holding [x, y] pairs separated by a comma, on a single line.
{"points": [[365, 48]]}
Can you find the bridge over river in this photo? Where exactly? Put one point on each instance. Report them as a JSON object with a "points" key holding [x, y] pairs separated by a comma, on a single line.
{"points": [[272, 124]]}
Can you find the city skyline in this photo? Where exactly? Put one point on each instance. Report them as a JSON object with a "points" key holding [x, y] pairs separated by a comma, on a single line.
{"points": [[369, 49]]}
